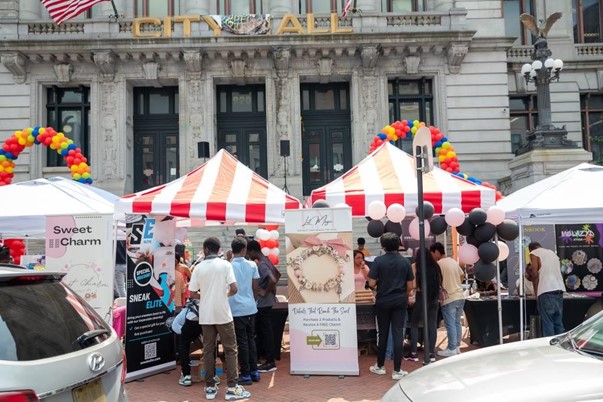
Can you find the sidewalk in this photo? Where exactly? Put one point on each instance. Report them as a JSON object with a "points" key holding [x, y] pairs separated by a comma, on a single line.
{"points": [[282, 386]]}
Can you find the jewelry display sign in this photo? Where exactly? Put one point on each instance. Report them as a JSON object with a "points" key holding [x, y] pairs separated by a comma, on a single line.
{"points": [[580, 249], [150, 300], [322, 300], [81, 246]]}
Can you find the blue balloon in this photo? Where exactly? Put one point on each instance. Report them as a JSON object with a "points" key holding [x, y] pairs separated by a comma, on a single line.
{"points": [[9, 155], [444, 139], [64, 152], [382, 136], [410, 123], [438, 144], [71, 146]]}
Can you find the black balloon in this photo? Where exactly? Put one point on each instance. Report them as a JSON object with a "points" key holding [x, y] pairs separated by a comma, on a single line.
{"points": [[484, 271], [438, 225], [477, 216], [321, 204], [508, 230], [394, 227], [488, 252], [368, 218], [466, 228], [375, 228], [428, 210], [484, 232], [472, 240]]}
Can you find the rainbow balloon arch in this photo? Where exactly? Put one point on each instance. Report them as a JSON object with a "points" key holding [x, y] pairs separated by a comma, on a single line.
{"points": [[48, 137], [444, 150]]}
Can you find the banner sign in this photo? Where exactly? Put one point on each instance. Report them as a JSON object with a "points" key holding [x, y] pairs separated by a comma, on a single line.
{"points": [[150, 300], [580, 249], [244, 24], [82, 246], [322, 300]]}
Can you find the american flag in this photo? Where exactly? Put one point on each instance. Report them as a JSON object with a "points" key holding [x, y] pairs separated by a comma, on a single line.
{"points": [[63, 10], [347, 8]]}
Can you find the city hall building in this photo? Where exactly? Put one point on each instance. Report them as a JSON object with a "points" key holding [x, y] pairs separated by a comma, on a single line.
{"points": [[292, 87]]}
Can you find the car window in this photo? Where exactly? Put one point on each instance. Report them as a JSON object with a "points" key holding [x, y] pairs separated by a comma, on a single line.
{"points": [[589, 337], [42, 318]]}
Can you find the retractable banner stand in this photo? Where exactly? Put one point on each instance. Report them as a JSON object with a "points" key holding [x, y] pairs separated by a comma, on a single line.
{"points": [[580, 249], [150, 300], [82, 246], [322, 301]]}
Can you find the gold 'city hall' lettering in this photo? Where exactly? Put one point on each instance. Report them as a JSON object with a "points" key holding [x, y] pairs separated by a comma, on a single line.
{"points": [[289, 25]]}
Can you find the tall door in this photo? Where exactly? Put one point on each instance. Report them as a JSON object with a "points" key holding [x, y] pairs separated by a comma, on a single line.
{"points": [[242, 125], [156, 155], [326, 134]]}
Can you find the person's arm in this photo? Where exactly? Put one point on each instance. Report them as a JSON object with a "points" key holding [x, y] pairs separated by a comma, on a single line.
{"points": [[232, 289], [365, 272], [535, 266], [194, 295], [410, 286]]}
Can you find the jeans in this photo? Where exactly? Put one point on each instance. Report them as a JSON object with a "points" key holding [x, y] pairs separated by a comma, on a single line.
{"points": [[390, 314], [248, 354], [550, 308], [451, 313], [190, 331], [229, 343], [264, 333], [432, 321], [120, 279]]}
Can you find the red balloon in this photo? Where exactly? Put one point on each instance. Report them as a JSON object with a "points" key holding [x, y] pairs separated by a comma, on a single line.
{"points": [[271, 227], [270, 243], [263, 243], [273, 259]]}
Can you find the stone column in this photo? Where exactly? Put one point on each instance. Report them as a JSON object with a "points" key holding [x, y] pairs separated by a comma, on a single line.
{"points": [[368, 5], [191, 126], [29, 10], [284, 112], [195, 7]]}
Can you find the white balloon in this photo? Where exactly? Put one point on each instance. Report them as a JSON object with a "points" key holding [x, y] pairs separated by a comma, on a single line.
{"points": [[503, 250], [413, 228], [264, 234], [495, 215], [274, 234], [275, 251], [258, 233], [396, 213], [341, 205], [468, 254], [376, 209], [266, 251], [454, 217]]}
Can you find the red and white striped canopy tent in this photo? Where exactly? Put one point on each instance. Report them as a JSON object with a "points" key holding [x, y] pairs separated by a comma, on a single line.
{"points": [[223, 189], [388, 174]]}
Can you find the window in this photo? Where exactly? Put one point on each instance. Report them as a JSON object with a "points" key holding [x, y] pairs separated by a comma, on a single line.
{"points": [[592, 125], [587, 21], [156, 101], [410, 100], [402, 6], [512, 9], [68, 111], [524, 119], [157, 8], [242, 7], [321, 6], [317, 97]]}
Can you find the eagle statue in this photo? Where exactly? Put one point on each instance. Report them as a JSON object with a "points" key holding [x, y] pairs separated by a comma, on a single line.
{"points": [[542, 30]]}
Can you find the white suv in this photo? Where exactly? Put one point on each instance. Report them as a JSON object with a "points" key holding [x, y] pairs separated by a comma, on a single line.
{"points": [[53, 346]]}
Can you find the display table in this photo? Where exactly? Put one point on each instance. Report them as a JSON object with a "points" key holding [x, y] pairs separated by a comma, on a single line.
{"points": [[482, 315]]}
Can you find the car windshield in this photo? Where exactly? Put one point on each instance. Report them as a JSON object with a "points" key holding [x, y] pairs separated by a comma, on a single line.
{"points": [[588, 338], [41, 318]]}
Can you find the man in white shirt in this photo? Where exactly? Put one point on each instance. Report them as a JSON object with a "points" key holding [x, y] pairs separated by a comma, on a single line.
{"points": [[213, 281], [549, 287]]}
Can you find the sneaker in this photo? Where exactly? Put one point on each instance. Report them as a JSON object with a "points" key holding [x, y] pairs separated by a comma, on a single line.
{"points": [[216, 380], [377, 370], [267, 367], [412, 357], [211, 392], [447, 352], [185, 380], [245, 380], [458, 350], [237, 392], [432, 358], [255, 376], [397, 375]]}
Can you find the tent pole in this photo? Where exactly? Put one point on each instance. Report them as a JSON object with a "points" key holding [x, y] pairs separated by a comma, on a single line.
{"points": [[420, 156], [498, 295], [521, 288]]}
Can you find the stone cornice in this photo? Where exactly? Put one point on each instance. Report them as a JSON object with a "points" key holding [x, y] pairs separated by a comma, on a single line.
{"points": [[16, 64], [105, 61]]}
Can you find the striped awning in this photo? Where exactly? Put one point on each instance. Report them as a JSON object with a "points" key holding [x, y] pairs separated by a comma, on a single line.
{"points": [[223, 189], [388, 174]]}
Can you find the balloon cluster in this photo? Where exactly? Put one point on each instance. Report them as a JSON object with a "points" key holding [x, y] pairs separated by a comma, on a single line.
{"points": [[17, 249], [479, 228], [47, 136], [268, 239]]}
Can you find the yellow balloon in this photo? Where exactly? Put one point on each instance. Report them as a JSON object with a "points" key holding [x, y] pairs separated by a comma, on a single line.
{"points": [[446, 145], [86, 175], [74, 168], [2, 158], [8, 169], [22, 141], [42, 130], [451, 154], [442, 158], [413, 130], [30, 138], [64, 145], [77, 176]]}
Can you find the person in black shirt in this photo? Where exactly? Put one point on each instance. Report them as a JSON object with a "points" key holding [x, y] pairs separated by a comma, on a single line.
{"points": [[392, 275]]}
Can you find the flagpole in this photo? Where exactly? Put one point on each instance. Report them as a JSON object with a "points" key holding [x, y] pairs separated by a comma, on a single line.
{"points": [[114, 9]]}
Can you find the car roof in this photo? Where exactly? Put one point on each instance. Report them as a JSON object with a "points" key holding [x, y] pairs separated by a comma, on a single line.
{"points": [[11, 271]]}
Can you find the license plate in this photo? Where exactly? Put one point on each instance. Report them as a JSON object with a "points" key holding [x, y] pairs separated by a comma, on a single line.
{"points": [[91, 392]]}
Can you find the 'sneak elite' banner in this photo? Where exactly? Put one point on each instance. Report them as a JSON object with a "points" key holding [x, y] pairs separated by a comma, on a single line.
{"points": [[580, 249], [81, 246], [150, 300], [322, 304]]}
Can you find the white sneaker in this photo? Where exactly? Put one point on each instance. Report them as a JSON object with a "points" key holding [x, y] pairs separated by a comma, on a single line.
{"points": [[377, 370], [447, 352], [235, 393], [397, 375]]}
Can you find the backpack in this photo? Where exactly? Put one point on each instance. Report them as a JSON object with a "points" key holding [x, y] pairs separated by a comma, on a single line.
{"points": [[189, 312]]}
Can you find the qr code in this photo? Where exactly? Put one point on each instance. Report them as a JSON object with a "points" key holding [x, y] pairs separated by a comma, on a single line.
{"points": [[330, 339], [150, 351]]}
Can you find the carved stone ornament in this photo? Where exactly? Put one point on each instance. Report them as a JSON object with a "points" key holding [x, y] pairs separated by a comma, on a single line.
{"points": [[282, 55], [151, 70], [238, 67], [15, 63], [412, 64], [369, 56], [63, 72], [325, 66], [456, 54], [105, 61], [193, 59]]}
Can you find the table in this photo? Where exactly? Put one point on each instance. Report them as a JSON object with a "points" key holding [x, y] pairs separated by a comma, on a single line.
{"points": [[482, 315]]}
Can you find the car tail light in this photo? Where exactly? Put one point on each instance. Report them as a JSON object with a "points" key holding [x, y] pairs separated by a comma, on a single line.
{"points": [[26, 395], [123, 367]]}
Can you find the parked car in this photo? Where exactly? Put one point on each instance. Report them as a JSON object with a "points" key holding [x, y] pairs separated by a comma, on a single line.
{"points": [[568, 367], [53, 345]]}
